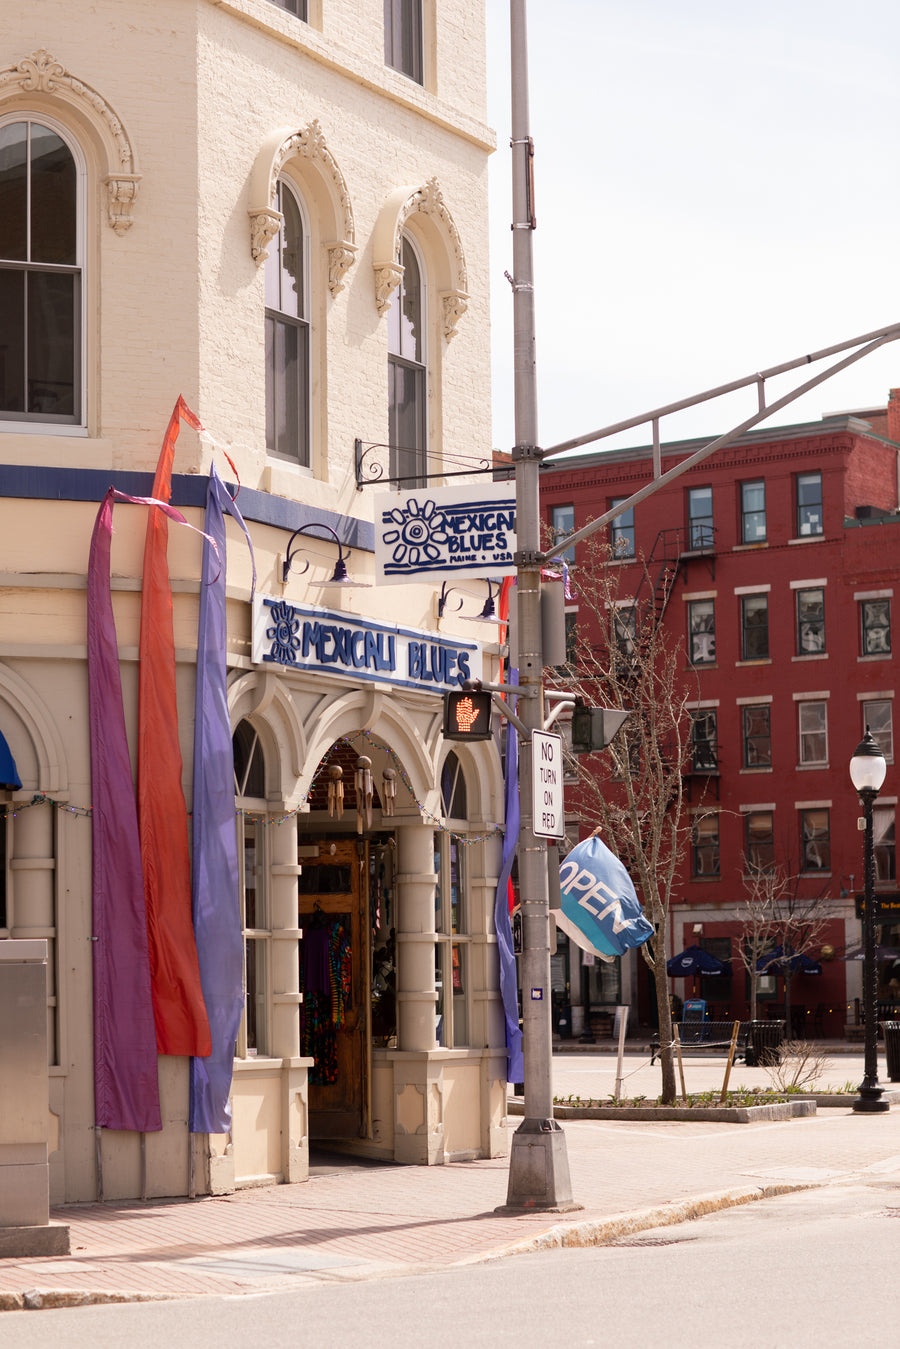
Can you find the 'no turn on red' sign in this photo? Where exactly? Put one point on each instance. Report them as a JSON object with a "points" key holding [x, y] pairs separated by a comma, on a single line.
{"points": [[547, 785]]}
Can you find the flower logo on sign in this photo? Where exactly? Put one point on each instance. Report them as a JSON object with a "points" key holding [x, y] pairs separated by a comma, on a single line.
{"points": [[283, 635], [420, 532]]}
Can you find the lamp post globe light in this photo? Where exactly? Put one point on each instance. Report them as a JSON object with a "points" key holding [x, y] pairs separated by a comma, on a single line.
{"points": [[867, 770]]}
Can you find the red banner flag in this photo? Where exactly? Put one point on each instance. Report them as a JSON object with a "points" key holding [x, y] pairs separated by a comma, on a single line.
{"points": [[182, 1025]]}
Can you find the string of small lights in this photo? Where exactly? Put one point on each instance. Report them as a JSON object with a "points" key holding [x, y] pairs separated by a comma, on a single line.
{"points": [[467, 840]]}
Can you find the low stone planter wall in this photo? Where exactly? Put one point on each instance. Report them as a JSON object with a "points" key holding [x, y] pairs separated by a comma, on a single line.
{"points": [[722, 1114]]}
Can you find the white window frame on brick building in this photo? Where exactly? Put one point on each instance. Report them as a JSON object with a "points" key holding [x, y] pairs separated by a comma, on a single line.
{"points": [[875, 624], [701, 618], [878, 717], [705, 855], [52, 288], [810, 513], [759, 839], [812, 730], [288, 332], [408, 369], [622, 535], [815, 836], [884, 822], [753, 511]]}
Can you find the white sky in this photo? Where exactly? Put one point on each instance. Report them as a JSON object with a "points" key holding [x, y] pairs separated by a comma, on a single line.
{"points": [[717, 191]]}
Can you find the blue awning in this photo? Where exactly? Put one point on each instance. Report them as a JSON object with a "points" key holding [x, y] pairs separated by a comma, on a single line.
{"points": [[9, 774]]}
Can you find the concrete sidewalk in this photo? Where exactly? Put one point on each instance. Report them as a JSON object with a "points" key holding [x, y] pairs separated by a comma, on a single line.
{"points": [[357, 1220]]}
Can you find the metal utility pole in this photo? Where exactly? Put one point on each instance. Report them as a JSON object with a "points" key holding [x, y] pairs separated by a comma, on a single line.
{"points": [[538, 1166]]}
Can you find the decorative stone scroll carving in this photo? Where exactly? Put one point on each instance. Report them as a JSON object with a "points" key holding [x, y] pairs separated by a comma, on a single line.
{"points": [[264, 225], [41, 73], [309, 144], [400, 205], [387, 278], [453, 305], [340, 259]]}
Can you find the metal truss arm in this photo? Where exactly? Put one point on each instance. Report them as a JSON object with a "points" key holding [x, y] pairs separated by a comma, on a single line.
{"points": [[872, 342]]}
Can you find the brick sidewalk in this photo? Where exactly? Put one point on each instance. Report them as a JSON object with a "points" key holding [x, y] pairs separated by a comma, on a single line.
{"points": [[357, 1220]]}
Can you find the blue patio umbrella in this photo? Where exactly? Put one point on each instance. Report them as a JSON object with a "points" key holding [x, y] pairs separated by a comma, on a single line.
{"points": [[9, 774], [694, 960], [774, 962]]}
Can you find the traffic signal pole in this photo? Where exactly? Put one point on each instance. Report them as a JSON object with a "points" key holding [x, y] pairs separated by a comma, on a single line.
{"points": [[538, 1167]]}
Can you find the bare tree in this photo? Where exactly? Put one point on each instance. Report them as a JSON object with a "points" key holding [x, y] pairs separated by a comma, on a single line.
{"points": [[777, 915], [624, 658], [757, 919]]}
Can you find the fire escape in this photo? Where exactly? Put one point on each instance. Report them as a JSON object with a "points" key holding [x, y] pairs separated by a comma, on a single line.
{"points": [[673, 551]]}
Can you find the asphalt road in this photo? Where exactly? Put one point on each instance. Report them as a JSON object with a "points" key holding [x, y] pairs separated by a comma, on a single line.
{"points": [[817, 1268]]}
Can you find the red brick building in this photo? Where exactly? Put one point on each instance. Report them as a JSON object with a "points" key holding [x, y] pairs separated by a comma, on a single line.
{"points": [[786, 553]]}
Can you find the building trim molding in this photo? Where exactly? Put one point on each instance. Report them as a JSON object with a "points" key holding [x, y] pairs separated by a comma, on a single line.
{"points": [[42, 74]]}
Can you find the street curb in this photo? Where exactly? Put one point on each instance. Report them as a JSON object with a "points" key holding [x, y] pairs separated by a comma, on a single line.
{"points": [[51, 1299], [593, 1232], [604, 1231]]}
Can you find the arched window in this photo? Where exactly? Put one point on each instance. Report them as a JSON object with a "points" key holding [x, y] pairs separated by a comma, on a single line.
{"points": [[41, 246], [287, 333], [451, 910], [407, 371]]}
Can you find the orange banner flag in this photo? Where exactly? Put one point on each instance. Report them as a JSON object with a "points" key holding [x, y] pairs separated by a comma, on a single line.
{"points": [[182, 1025]]}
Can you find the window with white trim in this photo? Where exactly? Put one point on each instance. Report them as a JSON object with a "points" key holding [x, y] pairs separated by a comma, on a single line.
{"points": [[759, 827], [810, 515], [451, 952], [407, 372], [288, 332], [403, 48], [815, 839], [757, 729], [704, 737], [753, 512], [754, 627], [813, 732], [562, 522], [878, 717], [41, 273], [884, 841], [701, 533], [621, 530], [810, 621], [875, 626], [702, 631], [300, 8], [705, 846]]}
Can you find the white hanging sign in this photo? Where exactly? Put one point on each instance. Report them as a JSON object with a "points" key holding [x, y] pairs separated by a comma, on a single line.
{"points": [[436, 533]]}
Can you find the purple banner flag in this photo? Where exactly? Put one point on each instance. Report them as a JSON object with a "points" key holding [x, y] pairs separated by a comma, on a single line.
{"points": [[126, 1087], [215, 897], [515, 1068]]}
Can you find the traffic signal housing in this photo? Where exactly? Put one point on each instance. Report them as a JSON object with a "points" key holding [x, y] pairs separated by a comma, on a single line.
{"points": [[594, 728], [467, 714]]}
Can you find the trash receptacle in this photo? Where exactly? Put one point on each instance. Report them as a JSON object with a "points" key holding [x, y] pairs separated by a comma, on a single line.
{"points": [[564, 1023], [764, 1040], [891, 1032]]}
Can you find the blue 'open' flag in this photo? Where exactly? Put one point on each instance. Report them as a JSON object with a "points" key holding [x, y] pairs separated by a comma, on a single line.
{"points": [[600, 909]]}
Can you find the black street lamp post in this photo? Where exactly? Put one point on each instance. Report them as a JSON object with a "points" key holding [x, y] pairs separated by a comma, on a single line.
{"points": [[867, 770]]}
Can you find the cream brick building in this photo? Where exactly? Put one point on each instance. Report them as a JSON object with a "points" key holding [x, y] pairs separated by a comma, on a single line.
{"points": [[279, 212]]}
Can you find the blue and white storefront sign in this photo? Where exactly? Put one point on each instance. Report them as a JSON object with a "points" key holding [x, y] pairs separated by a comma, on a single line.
{"points": [[435, 533], [305, 637]]}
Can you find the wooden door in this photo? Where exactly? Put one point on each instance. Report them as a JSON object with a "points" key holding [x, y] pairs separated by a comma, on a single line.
{"points": [[333, 897]]}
